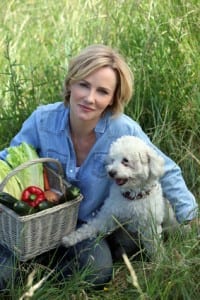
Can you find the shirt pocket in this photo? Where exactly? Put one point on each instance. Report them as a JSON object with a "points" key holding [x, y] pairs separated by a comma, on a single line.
{"points": [[99, 166]]}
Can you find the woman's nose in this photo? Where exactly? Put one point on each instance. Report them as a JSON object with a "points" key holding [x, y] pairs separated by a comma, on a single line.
{"points": [[91, 96]]}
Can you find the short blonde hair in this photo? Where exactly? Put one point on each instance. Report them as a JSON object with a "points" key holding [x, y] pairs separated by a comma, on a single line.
{"points": [[98, 56]]}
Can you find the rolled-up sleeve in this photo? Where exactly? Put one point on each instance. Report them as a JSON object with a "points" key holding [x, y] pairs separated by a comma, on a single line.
{"points": [[176, 191]]}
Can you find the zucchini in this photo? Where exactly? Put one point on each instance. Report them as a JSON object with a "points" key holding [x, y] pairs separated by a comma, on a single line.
{"points": [[44, 205], [23, 209], [7, 200], [72, 192], [20, 207]]}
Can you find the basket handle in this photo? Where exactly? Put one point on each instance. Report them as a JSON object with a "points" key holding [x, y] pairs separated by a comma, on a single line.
{"points": [[28, 164]]}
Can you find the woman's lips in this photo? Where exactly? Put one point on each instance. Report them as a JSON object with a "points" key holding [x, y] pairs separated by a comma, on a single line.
{"points": [[85, 108]]}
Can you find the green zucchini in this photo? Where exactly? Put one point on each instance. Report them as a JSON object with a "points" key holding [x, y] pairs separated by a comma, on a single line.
{"points": [[72, 192], [23, 209], [44, 205], [7, 200], [20, 207]]}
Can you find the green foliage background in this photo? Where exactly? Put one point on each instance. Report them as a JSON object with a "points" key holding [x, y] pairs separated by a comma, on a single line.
{"points": [[160, 40]]}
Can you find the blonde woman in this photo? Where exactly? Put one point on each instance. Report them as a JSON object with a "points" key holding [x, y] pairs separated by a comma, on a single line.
{"points": [[78, 132]]}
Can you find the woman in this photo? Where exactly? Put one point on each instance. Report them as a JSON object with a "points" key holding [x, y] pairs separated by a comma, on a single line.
{"points": [[79, 133]]}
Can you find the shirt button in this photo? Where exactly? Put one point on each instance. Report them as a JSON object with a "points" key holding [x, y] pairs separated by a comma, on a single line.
{"points": [[93, 214], [71, 171]]}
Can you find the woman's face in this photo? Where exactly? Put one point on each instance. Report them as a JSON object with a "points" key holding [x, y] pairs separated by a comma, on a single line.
{"points": [[90, 96]]}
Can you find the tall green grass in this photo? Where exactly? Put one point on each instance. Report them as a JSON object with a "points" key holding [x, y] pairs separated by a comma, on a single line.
{"points": [[160, 40]]}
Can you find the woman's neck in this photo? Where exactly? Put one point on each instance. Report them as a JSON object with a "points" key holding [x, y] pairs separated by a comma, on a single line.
{"points": [[81, 129], [83, 138]]}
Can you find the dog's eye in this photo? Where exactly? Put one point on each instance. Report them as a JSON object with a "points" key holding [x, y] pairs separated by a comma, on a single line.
{"points": [[125, 161]]}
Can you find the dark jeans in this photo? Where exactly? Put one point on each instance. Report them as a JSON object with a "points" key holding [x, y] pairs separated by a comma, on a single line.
{"points": [[90, 255], [95, 255], [7, 267]]}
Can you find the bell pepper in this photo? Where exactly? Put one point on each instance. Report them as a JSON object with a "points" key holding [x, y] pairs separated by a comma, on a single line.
{"points": [[33, 195]]}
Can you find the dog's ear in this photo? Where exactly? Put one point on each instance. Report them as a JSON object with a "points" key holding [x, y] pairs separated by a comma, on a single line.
{"points": [[144, 158], [156, 164]]}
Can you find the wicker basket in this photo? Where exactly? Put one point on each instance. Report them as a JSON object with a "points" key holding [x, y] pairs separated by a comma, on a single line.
{"points": [[31, 235]]}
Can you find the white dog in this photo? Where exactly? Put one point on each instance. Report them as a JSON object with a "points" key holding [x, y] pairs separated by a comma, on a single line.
{"points": [[135, 197]]}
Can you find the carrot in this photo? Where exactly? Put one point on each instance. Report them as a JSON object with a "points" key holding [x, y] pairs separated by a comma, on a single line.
{"points": [[46, 180]]}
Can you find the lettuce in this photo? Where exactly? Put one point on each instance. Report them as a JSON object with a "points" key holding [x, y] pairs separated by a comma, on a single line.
{"points": [[32, 175], [13, 186]]}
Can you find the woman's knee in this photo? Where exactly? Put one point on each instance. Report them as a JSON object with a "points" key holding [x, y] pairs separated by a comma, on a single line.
{"points": [[92, 256], [98, 262]]}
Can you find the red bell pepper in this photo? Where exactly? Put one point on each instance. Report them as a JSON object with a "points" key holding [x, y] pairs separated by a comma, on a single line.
{"points": [[33, 195]]}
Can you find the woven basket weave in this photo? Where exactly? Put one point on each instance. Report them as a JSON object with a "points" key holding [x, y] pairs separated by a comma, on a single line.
{"points": [[31, 235]]}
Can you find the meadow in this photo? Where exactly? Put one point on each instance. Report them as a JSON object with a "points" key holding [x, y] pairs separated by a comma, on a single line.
{"points": [[161, 42]]}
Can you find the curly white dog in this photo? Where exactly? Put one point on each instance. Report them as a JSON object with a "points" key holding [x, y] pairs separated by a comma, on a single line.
{"points": [[135, 196]]}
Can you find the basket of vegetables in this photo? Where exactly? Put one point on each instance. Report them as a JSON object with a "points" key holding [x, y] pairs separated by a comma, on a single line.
{"points": [[37, 206]]}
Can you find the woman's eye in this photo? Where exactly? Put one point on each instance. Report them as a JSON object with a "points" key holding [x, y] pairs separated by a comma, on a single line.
{"points": [[83, 84], [104, 92]]}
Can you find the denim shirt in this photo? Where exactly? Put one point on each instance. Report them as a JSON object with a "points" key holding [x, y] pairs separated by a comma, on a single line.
{"points": [[47, 130]]}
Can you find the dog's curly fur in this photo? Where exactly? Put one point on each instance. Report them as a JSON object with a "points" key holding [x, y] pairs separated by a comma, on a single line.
{"points": [[135, 197]]}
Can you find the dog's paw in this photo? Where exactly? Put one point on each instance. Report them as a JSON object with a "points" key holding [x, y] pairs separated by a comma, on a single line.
{"points": [[68, 241]]}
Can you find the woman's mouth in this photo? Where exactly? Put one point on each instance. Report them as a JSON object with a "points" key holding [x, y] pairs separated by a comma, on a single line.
{"points": [[86, 108]]}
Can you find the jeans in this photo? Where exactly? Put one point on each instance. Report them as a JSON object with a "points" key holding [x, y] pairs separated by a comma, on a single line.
{"points": [[91, 255], [94, 255], [7, 266]]}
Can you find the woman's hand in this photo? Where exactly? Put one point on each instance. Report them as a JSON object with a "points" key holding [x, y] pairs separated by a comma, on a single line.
{"points": [[192, 225]]}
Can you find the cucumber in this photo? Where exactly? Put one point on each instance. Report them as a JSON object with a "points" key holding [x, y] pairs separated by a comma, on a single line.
{"points": [[44, 205], [23, 209], [72, 192], [7, 200], [20, 207]]}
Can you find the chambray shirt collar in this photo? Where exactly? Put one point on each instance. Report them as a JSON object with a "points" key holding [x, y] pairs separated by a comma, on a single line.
{"points": [[65, 120], [103, 123]]}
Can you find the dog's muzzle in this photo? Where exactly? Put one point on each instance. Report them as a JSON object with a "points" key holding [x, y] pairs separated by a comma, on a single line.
{"points": [[119, 181]]}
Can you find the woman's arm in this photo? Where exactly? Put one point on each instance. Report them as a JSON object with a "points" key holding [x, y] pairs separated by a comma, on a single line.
{"points": [[174, 186]]}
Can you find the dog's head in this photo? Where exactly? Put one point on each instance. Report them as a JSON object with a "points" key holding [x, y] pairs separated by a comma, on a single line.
{"points": [[133, 164]]}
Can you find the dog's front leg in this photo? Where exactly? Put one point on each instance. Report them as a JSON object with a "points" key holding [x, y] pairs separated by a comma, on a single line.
{"points": [[151, 239], [84, 232], [102, 223]]}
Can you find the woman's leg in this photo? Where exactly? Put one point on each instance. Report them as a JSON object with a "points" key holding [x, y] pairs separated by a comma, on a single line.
{"points": [[91, 255], [7, 267], [123, 240]]}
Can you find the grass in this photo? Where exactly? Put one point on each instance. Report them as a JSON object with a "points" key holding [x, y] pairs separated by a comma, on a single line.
{"points": [[173, 276], [160, 40]]}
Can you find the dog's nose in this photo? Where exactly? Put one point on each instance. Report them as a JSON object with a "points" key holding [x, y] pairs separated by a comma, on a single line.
{"points": [[112, 173]]}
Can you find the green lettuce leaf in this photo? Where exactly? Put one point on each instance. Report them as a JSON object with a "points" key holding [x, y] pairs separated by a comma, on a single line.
{"points": [[32, 175], [13, 185]]}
